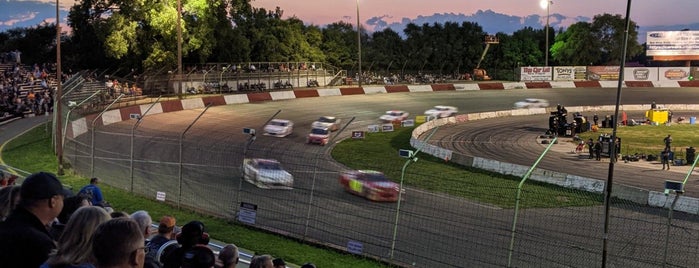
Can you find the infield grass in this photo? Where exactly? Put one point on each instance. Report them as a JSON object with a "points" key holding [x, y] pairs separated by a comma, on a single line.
{"points": [[648, 139]]}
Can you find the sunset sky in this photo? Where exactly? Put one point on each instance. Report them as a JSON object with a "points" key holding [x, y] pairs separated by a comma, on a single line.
{"points": [[644, 12], [14, 13]]}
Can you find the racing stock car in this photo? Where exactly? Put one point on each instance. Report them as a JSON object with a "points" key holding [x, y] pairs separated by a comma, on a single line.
{"points": [[266, 174], [318, 136], [370, 184], [394, 115]]}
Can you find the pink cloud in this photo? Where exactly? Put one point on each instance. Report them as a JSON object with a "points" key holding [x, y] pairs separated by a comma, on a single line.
{"points": [[19, 18]]}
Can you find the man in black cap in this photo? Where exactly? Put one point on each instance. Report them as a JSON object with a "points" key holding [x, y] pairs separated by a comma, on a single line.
{"points": [[26, 241], [192, 234], [279, 263]]}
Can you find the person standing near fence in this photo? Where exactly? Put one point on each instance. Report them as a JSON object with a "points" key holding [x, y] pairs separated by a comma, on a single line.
{"points": [[598, 150], [665, 158], [668, 142]]}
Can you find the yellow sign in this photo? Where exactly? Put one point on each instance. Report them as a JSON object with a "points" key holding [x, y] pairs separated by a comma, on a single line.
{"points": [[420, 119]]}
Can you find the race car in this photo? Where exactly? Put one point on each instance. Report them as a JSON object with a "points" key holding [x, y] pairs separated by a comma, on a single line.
{"points": [[279, 127], [330, 122], [370, 184], [531, 103], [318, 136], [266, 174], [394, 115], [441, 111]]}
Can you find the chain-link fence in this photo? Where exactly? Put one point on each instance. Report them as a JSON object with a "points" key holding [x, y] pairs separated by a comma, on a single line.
{"points": [[477, 223]]}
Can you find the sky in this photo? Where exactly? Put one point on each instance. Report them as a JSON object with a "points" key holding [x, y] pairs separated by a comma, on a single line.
{"points": [[18, 13], [643, 12]]}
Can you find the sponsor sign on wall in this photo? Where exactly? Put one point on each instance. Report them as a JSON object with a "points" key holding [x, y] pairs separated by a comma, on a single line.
{"points": [[672, 43], [535, 73], [673, 73], [603, 73], [641, 74], [569, 73]]}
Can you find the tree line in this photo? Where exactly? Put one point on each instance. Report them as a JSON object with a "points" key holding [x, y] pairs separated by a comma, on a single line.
{"points": [[142, 35]]}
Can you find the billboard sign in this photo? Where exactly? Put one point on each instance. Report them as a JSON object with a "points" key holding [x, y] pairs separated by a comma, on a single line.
{"points": [[569, 73], [672, 43], [603, 73], [673, 73], [641, 74], [535, 73]]}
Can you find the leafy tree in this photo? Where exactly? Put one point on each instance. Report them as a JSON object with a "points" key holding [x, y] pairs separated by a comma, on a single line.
{"points": [[385, 48], [340, 45], [144, 33], [578, 45], [609, 30], [37, 44]]}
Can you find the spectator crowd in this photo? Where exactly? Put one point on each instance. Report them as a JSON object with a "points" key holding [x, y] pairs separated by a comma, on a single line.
{"points": [[43, 224], [24, 90]]}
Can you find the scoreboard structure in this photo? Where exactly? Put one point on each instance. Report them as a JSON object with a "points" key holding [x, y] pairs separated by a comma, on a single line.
{"points": [[673, 46]]}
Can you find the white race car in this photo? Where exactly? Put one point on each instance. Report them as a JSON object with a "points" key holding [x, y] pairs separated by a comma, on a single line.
{"points": [[532, 103], [279, 127], [394, 115], [267, 174], [330, 122], [441, 111]]}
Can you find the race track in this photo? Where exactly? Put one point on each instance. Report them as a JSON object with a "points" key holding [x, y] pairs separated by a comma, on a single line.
{"points": [[435, 230]]}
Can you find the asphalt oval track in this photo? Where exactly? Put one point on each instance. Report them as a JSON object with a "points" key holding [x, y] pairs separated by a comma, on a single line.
{"points": [[318, 209]]}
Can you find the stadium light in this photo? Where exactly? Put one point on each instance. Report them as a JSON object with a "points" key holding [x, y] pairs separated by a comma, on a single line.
{"points": [[547, 5], [359, 47]]}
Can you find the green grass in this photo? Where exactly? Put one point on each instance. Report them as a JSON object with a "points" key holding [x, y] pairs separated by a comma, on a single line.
{"points": [[380, 151], [648, 139], [32, 152]]}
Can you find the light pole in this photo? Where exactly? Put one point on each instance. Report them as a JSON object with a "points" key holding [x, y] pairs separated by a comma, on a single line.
{"points": [[547, 5], [59, 93], [179, 47], [359, 46]]}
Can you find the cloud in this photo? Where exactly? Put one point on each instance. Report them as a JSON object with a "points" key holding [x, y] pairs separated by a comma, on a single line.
{"points": [[379, 23], [19, 18], [64, 4]]}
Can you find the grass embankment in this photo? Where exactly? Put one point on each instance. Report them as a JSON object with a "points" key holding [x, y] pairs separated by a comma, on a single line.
{"points": [[32, 152], [647, 139]]}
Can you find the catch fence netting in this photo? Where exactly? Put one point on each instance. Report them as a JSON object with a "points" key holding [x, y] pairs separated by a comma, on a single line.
{"points": [[477, 222]]}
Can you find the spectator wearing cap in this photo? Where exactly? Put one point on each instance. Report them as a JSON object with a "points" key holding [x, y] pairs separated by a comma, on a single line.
{"points": [[193, 233], [26, 240], [308, 265], [228, 257], [75, 245], [118, 243], [199, 256], [279, 263], [93, 193], [166, 233]]}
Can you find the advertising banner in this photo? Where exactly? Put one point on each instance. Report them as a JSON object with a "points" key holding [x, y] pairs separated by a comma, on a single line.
{"points": [[641, 74], [569, 73], [535, 73], [603, 73], [673, 73], [672, 43]]}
